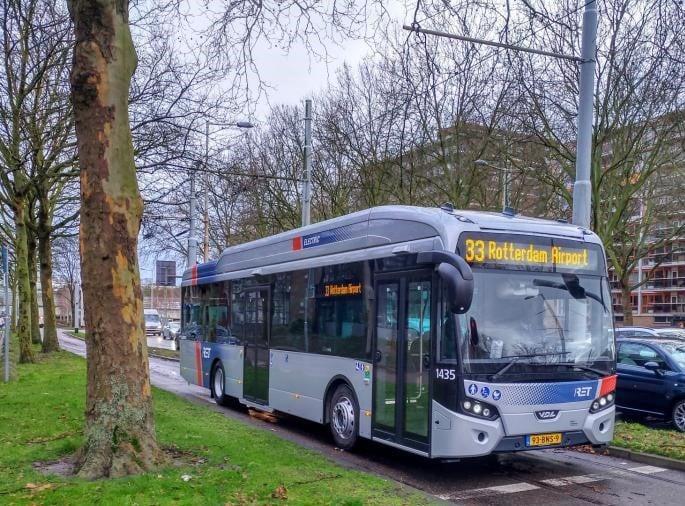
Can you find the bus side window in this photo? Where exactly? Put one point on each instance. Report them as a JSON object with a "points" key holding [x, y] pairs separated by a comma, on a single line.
{"points": [[287, 310], [192, 313], [216, 314], [337, 307]]}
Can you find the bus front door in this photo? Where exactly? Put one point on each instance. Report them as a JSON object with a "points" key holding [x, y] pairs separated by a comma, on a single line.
{"points": [[256, 360], [402, 359]]}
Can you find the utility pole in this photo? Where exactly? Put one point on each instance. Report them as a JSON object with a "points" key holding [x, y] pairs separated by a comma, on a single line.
{"points": [[582, 186], [307, 189], [582, 196], [205, 246], [192, 241], [6, 319], [504, 180]]}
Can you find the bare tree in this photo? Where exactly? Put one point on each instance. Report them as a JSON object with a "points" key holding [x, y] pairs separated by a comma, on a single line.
{"points": [[67, 269], [639, 98]]}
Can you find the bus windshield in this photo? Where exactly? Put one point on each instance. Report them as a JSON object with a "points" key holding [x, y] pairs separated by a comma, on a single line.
{"points": [[545, 322]]}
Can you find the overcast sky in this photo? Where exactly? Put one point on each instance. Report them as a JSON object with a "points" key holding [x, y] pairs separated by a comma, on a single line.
{"points": [[292, 77], [296, 75]]}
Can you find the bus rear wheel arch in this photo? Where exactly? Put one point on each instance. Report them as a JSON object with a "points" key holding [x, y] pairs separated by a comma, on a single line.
{"points": [[218, 384], [343, 416]]}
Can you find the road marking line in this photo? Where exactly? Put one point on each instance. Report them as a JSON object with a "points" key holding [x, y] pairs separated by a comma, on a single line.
{"points": [[552, 482], [574, 480], [490, 491], [646, 469]]}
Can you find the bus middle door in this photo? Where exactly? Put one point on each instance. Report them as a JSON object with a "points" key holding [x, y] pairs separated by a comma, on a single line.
{"points": [[256, 360]]}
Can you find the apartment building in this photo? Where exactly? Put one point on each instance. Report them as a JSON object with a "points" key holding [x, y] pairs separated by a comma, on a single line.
{"points": [[660, 300]]}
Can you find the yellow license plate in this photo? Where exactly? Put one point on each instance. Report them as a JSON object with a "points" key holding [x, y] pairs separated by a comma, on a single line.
{"points": [[544, 439]]}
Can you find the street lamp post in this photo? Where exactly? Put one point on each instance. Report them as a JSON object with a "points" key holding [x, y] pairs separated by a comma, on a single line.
{"points": [[505, 178], [307, 189]]}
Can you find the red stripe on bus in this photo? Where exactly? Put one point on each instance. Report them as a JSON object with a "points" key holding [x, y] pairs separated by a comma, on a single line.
{"points": [[198, 362], [297, 243], [193, 275], [608, 385]]}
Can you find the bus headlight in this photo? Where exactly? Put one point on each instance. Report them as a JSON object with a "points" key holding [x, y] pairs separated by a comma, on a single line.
{"points": [[602, 403], [607, 394], [479, 409]]}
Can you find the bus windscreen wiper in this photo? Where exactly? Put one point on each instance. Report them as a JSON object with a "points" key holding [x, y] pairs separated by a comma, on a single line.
{"points": [[516, 358], [576, 291], [584, 368]]}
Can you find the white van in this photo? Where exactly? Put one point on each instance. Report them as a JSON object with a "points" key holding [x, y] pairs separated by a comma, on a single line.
{"points": [[153, 323]]}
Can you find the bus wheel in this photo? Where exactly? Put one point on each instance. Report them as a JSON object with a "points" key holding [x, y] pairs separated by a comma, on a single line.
{"points": [[218, 385], [343, 413]]}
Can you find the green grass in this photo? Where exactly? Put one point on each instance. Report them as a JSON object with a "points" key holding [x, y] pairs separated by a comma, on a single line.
{"points": [[229, 462], [14, 357], [666, 442], [164, 353], [78, 335], [153, 351]]}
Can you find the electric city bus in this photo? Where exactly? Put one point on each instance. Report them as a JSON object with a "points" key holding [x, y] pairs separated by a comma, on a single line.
{"points": [[444, 333]]}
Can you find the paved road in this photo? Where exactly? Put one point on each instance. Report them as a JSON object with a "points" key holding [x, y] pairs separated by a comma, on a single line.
{"points": [[532, 478], [160, 342]]}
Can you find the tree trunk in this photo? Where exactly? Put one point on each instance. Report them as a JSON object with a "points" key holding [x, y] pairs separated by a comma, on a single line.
{"points": [[33, 274], [72, 303], [23, 283], [626, 304], [15, 309], [50, 342], [119, 428]]}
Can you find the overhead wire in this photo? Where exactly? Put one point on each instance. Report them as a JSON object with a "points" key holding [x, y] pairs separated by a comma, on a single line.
{"points": [[491, 54]]}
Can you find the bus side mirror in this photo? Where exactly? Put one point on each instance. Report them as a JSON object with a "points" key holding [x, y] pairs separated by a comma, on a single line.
{"points": [[459, 290], [457, 276]]}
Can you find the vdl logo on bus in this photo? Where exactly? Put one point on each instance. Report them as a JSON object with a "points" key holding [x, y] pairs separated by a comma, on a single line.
{"points": [[548, 414]]}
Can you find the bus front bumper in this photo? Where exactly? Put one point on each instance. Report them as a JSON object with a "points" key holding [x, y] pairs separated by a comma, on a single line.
{"points": [[458, 435]]}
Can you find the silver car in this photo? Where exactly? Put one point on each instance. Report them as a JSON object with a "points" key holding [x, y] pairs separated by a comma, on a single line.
{"points": [[171, 330]]}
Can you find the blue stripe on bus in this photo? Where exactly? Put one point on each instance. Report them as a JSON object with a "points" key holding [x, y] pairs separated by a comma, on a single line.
{"points": [[528, 394]]}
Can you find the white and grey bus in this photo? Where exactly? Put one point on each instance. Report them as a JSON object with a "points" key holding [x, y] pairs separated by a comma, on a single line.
{"points": [[445, 333]]}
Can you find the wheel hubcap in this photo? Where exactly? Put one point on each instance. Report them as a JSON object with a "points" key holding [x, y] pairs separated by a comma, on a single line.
{"points": [[343, 418], [679, 416], [218, 383]]}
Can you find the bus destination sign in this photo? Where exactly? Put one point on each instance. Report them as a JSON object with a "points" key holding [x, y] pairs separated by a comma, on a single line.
{"points": [[526, 252], [341, 289]]}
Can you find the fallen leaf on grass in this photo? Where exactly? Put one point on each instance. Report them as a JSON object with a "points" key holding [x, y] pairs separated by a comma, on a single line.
{"points": [[280, 493], [38, 488], [56, 437]]}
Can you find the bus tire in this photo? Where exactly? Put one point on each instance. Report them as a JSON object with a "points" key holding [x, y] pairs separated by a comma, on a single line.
{"points": [[218, 384], [343, 416]]}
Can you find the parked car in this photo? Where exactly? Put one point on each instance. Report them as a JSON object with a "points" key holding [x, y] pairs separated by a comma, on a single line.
{"points": [[651, 379], [171, 330], [622, 332], [153, 323], [672, 333]]}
